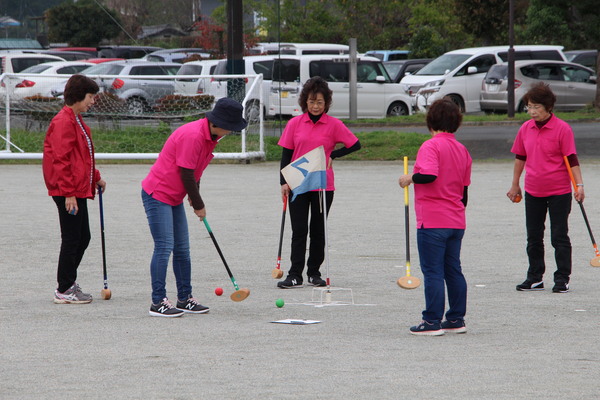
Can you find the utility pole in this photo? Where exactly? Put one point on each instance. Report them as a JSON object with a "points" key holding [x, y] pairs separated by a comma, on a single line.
{"points": [[511, 60], [236, 88]]}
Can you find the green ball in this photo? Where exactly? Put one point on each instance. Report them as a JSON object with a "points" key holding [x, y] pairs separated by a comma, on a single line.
{"points": [[279, 303]]}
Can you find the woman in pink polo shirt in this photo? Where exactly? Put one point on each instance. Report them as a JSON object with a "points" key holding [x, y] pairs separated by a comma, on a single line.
{"points": [[175, 174], [302, 134], [442, 174], [540, 147]]}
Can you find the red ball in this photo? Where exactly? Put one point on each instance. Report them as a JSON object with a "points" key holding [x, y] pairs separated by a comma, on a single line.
{"points": [[218, 291]]}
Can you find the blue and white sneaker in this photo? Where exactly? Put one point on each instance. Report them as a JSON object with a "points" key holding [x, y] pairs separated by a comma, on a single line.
{"points": [[529, 286], [457, 326], [165, 309], [290, 282], [191, 305], [427, 329]]}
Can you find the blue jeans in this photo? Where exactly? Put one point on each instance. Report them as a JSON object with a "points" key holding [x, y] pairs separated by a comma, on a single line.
{"points": [[439, 254], [169, 229]]}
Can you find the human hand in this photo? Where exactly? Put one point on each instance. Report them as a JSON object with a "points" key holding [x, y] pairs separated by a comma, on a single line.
{"points": [[405, 180], [201, 213], [285, 192]]}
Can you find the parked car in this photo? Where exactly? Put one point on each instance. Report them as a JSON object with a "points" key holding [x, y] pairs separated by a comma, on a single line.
{"points": [[67, 55], [588, 58], [377, 95], [136, 82], [388, 55], [398, 69], [298, 49], [191, 86], [573, 84], [12, 62], [92, 51], [458, 74], [177, 55], [127, 52], [38, 80]]}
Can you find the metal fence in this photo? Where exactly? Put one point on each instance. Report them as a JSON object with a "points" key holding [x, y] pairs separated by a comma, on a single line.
{"points": [[131, 115]]}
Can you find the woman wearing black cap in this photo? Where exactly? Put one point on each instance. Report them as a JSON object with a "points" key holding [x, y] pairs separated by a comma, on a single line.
{"points": [[176, 172]]}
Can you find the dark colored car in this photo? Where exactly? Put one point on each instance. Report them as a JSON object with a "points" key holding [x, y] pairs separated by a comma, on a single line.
{"points": [[398, 69], [587, 58], [125, 51]]}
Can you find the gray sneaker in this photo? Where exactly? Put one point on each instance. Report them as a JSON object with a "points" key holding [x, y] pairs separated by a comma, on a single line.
{"points": [[72, 295]]}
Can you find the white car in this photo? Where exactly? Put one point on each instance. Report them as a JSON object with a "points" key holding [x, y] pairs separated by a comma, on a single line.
{"points": [[191, 84], [457, 74], [38, 80]]}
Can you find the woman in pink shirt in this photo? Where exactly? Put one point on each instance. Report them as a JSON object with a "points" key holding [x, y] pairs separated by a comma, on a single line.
{"points": [[302, 134], [175, 174], [540, 147], [442, 174]]}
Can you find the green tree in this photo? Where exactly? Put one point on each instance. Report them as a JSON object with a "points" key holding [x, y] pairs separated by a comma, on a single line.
{"points": [[434, 29], [568, 23], [81, 24], [376, 24]]}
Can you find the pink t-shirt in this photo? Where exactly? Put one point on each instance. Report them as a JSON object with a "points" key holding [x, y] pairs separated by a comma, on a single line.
{"points": [[302, 135], [189, 146], [438, 204], [546, 172]]}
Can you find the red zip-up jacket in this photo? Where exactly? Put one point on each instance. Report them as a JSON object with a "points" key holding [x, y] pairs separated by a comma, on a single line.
{"points": [[67, 164]]}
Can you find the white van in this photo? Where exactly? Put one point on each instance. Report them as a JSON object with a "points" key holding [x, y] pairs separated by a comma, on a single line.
{"points": [[377, 95], [193, 85], [252, 65], [299, 49], [458, 74]]}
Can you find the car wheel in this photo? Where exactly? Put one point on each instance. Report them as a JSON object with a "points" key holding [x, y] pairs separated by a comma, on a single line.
{"points": [[458, 101], [252, 113], [521, 108], [397, 109], [136, 106]]}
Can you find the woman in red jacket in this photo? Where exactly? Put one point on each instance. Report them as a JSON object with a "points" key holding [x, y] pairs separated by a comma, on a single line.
{"points": [[71, 178]]}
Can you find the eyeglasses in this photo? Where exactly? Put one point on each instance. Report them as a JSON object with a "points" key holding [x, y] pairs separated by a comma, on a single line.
{"points": [[534, 107], [315, 103]]}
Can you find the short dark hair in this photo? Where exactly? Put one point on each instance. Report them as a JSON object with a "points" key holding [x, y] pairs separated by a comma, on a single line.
{"points": [[77, 87], [540, 93], [443, 115], [315, 85]]}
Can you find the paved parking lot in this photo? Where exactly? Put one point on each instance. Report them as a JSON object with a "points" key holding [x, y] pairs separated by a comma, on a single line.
{"points": [[519, 345]]}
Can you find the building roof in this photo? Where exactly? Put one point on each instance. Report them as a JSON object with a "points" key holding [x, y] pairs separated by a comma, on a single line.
{"points": [[6, 44], [160, 30]]}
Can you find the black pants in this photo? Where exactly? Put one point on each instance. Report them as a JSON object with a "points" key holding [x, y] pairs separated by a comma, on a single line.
{"points": [[75, 236], [559, 208], [305, 204]]}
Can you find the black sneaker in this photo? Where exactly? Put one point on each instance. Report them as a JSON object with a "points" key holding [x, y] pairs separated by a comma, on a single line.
{"points": [[290, 283], [457, 326], [560, 288], [530, 286], [316, 281], [191, 305], [165, 309], [427, 329]]}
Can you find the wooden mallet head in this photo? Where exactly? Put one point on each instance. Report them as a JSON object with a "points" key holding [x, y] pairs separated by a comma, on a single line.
{"points": [[276, 273], [409, 282], [105, 294], [240, 295]]}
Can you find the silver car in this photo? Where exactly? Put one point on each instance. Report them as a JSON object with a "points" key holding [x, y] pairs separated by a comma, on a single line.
{"points": [[574, 85]]}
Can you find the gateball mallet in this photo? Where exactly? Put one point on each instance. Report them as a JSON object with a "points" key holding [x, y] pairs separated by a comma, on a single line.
{"points": [[239, 294], [105, 293], [594, 262], [277, 273], [407, 281]]}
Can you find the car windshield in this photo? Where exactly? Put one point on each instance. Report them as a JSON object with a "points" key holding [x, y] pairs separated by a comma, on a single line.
{"points": [[35, 69], [392, 68], [443, 64], [104, 69], [496, 74]]}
